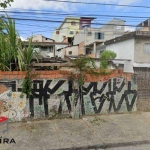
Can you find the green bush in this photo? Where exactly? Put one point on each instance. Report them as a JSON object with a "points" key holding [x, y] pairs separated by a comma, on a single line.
{"points": [[104, 57]]}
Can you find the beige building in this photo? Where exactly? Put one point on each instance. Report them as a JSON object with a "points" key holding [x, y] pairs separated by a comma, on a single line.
{"points": [[70, 27], [93, 38], [40, 38], [143, 26], [68, 51], [45, 46]]}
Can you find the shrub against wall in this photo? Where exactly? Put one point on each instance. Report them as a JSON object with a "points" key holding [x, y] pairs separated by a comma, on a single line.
{"points": [[104, 57]]}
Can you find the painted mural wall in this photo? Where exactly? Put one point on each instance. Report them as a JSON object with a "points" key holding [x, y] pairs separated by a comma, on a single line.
{"points": [[58, 97]]}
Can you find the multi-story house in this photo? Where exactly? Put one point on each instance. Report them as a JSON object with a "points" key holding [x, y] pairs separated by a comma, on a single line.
{"points": [[70, 27], [45, 46], [91, 40], [143, 26]]}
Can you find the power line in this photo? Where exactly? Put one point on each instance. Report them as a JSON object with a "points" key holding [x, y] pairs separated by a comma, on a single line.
{"points": [[98, 3], [57, 21]]}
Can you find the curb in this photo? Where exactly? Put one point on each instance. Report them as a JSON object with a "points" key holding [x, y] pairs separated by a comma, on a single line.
{"points": [[104, 146]]}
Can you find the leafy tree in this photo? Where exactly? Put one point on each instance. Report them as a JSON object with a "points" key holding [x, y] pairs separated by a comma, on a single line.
{"points": [[5, 3], [104, 58]]}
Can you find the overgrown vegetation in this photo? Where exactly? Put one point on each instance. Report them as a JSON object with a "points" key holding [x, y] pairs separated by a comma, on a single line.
{"points": [[25, 57], [83, 66], [9, 44], [13, 55], [104, 59]]}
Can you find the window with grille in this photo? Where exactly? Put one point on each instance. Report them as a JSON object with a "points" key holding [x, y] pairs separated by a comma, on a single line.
{"points": [[73, 23], [99, 35], [71, 32], [57, 32], [70, 52], [147, 48]]}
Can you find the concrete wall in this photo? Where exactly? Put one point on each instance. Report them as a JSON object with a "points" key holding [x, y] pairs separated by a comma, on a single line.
{"points": [[83, 36], [123, 49], [58, 46], [73, 49], [140, 56], [143, 94], [81, 49], [99, 49], [113, 28], [53, 95]]}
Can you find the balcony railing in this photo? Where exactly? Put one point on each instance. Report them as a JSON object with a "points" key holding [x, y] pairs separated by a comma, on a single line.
{"points": [[143, 33]]}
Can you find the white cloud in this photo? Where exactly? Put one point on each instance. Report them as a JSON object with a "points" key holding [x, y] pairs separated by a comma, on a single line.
{"points": [[41, 4], [37, 4], [127, 28], [22, 38]]}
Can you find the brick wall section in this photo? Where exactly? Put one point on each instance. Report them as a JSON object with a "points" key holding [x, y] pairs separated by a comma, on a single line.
{"points": [[57, 74], [3, 88]]}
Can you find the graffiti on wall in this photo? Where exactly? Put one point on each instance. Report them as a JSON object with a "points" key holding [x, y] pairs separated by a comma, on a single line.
{"points": [[112, 96], [51, 97]]}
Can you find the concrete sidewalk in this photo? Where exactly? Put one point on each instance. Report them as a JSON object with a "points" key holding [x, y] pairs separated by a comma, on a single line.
{"points": [[101, 131]]}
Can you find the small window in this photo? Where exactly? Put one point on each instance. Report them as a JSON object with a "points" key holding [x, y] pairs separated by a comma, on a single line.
{"points": [[57, 32], [71, 32], [73, 23], [44, 48], [99, 35], [147, 48], [70, 52], [89, 33]]}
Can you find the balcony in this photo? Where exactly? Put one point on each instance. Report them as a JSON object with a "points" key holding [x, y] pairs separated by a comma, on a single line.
{"points": [[143, 33]]}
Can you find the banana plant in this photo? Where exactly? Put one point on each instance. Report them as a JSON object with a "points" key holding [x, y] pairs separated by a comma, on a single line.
{"points": [[25, 57]]}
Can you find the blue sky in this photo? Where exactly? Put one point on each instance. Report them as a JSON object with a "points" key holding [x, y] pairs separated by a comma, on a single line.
{"points": [[54, 12]]}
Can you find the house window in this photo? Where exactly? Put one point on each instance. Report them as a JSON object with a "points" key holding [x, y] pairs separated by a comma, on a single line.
{"points": [[57, 32], [43, 48], [147, 48], [71, 32], [70, 52], [99, 35], [89, 33], [51, 49], [73, 23]]}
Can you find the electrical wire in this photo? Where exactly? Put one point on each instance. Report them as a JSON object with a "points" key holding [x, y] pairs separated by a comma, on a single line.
{"points": [[107, 4]]}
